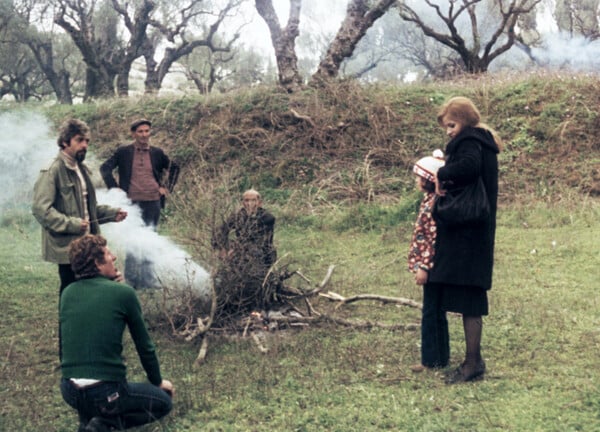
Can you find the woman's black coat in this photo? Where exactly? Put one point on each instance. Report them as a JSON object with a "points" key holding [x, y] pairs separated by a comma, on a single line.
{"points": [[464, 255]]}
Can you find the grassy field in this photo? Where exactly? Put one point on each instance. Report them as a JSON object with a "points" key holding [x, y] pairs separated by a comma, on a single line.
{"points": [[341, 186], [541, 340]]}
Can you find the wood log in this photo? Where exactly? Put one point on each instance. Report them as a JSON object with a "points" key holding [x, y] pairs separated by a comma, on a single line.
{"points": [[346, 323], [384, 299], [202, 352]]}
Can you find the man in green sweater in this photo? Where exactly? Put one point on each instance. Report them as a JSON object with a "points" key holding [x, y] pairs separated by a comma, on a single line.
{"points": [[94, 312]]}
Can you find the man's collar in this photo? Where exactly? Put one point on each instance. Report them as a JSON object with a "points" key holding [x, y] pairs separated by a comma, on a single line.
{"points": [[69, 160], [141, 148]]}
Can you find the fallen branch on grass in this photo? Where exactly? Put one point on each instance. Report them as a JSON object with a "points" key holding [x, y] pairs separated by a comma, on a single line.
{"points": [[344, 322], [305, 118], [258, 327], [384, 299]]}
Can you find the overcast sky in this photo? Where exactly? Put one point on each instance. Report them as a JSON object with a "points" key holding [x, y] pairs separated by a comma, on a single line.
{"points": [[322, 16]]}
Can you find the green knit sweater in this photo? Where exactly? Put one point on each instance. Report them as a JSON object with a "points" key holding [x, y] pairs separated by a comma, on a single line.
{"points": [[93, 316]]}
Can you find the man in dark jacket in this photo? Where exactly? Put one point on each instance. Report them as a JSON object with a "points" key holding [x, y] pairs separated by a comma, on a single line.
{"points": [[248, 257], [253, 227], [141, 169]]}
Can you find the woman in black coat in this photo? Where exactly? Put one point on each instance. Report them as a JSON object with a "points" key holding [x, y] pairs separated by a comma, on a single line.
{"points": [[464, 255]]}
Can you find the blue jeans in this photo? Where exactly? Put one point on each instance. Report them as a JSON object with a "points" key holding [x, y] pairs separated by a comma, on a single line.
{"points": [[435, 341], [122, 405]]}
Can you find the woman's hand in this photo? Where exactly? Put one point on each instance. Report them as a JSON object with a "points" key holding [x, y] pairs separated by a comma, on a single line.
{"points": [[439, 190]]}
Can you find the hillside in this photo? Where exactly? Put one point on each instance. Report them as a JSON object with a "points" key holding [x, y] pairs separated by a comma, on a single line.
{"points": [[358, 143]]}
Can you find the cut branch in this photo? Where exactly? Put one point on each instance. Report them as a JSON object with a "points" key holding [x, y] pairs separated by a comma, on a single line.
{"points": [[344, 322], [384, 299], [306, 118], [202, 352]]}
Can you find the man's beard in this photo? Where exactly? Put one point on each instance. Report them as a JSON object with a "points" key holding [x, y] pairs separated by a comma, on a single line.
{"points": [[80, 155]]}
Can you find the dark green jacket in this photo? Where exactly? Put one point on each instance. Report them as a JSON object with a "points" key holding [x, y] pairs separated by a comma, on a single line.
{"points": [[58, 206], [93, 315]]}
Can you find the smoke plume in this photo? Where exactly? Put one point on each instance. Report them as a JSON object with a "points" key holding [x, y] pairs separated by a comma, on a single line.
{"points": [[170, 266], [24, 148], [27, 145]]}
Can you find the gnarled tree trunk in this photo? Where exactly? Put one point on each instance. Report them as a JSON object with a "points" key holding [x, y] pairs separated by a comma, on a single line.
{"points": [[58, 79], [284, 41], [359, 18]]}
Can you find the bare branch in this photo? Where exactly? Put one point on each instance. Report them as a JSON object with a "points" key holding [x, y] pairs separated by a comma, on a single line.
{"points": [[345, 323], [384, 299], [185, 43]]}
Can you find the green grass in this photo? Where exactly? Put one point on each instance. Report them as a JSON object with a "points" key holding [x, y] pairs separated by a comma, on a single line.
{"points": [[541, 340], [343, 194]]}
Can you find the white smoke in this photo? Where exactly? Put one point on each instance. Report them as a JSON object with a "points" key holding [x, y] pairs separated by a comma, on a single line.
{"points": [[26, 146], [171, 266], [560, 50]]}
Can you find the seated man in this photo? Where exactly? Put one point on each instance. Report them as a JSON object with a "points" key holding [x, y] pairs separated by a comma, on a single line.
{"points": [[253, 227], [249, 256], [94, 312]]}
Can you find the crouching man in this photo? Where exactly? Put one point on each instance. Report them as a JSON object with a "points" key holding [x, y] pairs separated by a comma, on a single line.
{"points": [[94, 311]]}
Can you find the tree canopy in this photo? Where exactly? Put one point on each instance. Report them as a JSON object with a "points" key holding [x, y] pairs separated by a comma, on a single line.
{"points": [[88, 48]]}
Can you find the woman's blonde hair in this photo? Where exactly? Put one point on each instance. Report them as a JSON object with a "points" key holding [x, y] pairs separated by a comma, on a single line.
{"points": [[462, 110]]}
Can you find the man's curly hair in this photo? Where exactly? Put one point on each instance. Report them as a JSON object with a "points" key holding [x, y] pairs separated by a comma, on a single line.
{"points": [[69, 129], [83, 254]]}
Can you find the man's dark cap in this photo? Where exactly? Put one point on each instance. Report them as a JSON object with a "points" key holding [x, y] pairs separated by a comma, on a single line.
{"points": [[136, 124]]}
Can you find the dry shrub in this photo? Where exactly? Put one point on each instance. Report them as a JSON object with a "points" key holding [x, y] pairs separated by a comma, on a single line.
{"points": [[240, 283], [320, 137], [300, 140]]}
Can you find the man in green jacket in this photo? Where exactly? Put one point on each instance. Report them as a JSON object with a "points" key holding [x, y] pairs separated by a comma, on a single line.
{"points": [[94, 312], [64, 199]]}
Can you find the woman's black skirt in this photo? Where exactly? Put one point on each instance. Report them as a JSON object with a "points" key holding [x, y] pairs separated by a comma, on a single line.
{"points": [[463, 299]]}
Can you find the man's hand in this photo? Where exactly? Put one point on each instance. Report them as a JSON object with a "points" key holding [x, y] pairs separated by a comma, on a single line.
{"points": [[121, 215], [167, 386], [119, 277], [163, 191], [85, 225]]}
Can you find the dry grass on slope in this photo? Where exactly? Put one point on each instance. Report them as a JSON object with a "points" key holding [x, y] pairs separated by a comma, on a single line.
{"points": [[358, 142]]}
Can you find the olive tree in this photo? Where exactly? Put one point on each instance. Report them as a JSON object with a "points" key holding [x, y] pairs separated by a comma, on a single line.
{"points": [[477, 30]]}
